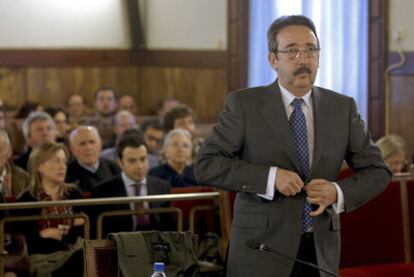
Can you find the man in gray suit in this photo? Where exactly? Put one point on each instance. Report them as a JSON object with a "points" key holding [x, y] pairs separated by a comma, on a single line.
{"points": [[281, 147]]}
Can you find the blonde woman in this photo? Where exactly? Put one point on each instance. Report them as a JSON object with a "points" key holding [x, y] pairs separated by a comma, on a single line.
{"points": [[53, 245], [394, 151]]}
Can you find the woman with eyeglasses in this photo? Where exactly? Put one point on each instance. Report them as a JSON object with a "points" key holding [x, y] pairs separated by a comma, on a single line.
{"points": [[177, 153], [394, 151], [54, 245]]}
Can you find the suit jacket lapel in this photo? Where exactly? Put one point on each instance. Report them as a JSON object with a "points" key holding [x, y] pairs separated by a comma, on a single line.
{"points": [[274, 114], [321, 111]]}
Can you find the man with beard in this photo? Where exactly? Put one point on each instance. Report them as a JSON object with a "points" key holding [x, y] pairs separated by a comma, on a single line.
{"points": [[281, 148]]}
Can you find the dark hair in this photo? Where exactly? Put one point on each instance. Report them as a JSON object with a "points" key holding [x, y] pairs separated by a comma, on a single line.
{"points": [[151, 122], [26, 108], [53, 110], [285, 21], [104, 88], [129, 141], [178, 112]]}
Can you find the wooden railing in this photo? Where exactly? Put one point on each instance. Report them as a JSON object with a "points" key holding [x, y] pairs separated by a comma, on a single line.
{"points": [[113, 201]]}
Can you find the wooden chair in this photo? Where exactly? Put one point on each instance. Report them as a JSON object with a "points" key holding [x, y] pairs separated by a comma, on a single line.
{"points": [[101, 258]]}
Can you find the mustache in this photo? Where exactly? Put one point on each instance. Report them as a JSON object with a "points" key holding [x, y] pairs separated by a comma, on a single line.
{"points": [[302, 69]]}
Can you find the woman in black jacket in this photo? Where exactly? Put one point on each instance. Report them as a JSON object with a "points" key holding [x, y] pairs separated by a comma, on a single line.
{"points": [[54, 245]]}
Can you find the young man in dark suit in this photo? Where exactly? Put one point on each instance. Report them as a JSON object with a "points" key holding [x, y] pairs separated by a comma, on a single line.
{"points": [[133, 181]]}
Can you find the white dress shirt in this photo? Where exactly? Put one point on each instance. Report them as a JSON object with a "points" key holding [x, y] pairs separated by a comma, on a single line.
{"points": [[307, 109]]}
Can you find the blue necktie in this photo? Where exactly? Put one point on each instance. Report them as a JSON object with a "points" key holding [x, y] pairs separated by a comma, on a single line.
{"points": [[300, 135]]}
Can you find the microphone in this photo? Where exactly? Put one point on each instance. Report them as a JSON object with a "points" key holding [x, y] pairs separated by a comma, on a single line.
{"points": [[262, 247]]}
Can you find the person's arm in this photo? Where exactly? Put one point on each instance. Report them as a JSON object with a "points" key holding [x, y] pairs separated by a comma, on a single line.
{"points": [[218, 162], [371, 175]]}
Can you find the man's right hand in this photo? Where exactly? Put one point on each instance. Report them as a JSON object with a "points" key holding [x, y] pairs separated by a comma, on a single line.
{"points": [[288, 182]]}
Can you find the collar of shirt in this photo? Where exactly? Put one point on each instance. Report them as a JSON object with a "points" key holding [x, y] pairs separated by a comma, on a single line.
{"points": [[130, 183], [90, 168], [288, 97]]}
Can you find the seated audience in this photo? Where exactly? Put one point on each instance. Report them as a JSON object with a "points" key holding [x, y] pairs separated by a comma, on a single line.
{"points": [[61, 122], [122, 120], [87, 169], [54, 245], [153, 135], [105, 106], [38, 128], [133, 181], [127, 103], [167, 105], [182, 116], [111, 153], [13, 179], [394, 151], [16, 133], [177, 153], [77, 110], [27, 108]]}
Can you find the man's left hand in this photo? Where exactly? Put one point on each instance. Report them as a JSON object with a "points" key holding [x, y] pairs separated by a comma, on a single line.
{"points": [[322, 193]]}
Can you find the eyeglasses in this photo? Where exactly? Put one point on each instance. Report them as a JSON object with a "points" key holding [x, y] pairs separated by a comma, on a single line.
{"points": [[293, 53]]}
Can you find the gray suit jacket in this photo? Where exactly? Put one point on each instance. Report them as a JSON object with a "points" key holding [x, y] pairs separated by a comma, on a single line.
{"points": [[252, 134]]}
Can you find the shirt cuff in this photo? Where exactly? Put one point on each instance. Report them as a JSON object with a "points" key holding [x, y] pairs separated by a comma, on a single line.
{"points": [[339, 206], [270, 188]]}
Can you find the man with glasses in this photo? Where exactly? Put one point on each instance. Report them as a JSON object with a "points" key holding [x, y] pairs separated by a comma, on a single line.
{"points": [[281, 147]]}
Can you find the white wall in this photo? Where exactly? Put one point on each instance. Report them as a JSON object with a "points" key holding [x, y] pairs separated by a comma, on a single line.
{"points": [[185, 24], [401, 20], [80, 24], [63, 24]]}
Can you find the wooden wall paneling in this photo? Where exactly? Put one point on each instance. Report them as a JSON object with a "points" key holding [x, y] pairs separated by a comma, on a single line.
{"points": [[402, 112], [202, 89], [12, 86]]}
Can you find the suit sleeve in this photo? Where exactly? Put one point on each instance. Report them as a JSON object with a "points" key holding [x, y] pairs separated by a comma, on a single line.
{"points": [[364, 157], [219, 163]]}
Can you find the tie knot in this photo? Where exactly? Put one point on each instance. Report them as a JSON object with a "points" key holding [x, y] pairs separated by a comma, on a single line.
{"points": [[297, 103]]}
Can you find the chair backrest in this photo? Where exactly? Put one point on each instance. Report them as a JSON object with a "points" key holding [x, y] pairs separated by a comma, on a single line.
{"points": [[101, 258], [197, 217]]}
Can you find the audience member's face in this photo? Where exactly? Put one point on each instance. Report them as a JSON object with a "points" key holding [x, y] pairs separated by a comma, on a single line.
{"points": [[178, 150], [105, 102], [127, 102], [53, 171], [2, 120], [186, 123], [396, 162], [5, 154], [124, 122], [61, 123], [75, 106], [296, 74], [153, 139], [134, 162], [41, 131], [168, 106], [86, 146]]}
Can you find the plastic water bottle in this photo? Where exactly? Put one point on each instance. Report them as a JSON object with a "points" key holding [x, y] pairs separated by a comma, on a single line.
{"points": [[158, 270]]}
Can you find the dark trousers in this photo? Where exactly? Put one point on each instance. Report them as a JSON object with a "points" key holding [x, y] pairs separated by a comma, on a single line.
{"points": [[306, 253]]}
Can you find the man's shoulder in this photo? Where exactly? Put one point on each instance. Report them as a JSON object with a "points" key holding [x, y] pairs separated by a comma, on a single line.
{"points": [[157, 181], [109, 184], [331, 94], [109, 165]]}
